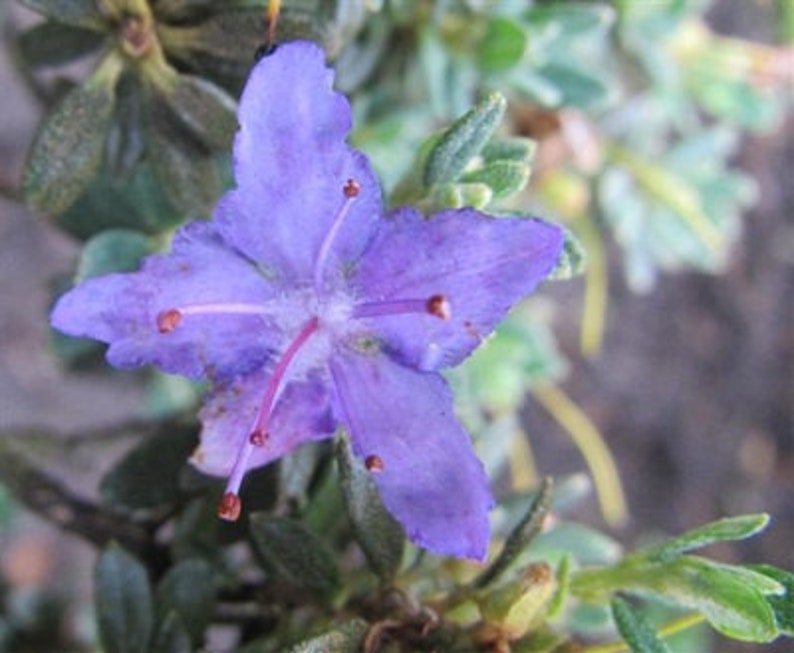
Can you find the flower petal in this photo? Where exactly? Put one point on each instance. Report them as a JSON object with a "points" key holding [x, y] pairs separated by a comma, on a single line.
{"points": [[122, 309], [291, 164], [431, 481], [481, 265], [302, 414]]}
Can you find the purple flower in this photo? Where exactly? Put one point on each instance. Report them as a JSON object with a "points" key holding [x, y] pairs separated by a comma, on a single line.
{"points": [[306, 309]]}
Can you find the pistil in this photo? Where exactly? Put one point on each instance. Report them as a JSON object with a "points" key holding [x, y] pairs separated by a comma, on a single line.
{"points": [[229, 508]]}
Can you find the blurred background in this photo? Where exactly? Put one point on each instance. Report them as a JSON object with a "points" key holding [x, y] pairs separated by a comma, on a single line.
{"points": [[692, 389]]}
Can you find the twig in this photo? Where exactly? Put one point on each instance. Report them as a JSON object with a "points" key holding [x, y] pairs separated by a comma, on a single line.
{"points": [[58, 505]]}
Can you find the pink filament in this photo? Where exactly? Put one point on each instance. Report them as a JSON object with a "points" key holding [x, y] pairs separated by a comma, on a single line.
{"points": [[266, 408]]}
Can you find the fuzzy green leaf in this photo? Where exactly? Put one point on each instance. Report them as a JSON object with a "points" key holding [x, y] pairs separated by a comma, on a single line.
{"points": [[188, 591], [503, 45], [521, 535], [137, 202], [293, 552], [456, 196], [148, 476], [184, 167], [205, 109], [172, 636], [723, 530], [379, 535], [577, 87], [463, 141], [503, 177], [184, 10], [731, 604], [635, 630], [50, 43], [68, 151], [80, 13], [514, 148], [571, 18], [782, 604], [584, 545], [731, 598], [114, 250], [221, 47], [347, 638], [123, 602], [573, 259], [296, 472]]}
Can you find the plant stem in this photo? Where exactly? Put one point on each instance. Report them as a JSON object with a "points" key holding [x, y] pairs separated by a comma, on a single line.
{"points": [[57, 504], [592, 446], [673, 628]]}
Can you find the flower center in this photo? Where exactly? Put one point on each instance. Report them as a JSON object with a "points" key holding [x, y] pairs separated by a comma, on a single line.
{"points": [[322, 311]]}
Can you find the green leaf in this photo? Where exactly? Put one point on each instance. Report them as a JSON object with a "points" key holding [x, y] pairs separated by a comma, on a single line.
{"points": [[563, 575], [503, 45], [463, 141], [377, 533], [456, 196], [50, 43], [172, 637], [296, 472], [524, 352], [293, 552], [731, 598], [635, 630], [577, 87], [80, 13], [514, 148], [503, 177], [540, 640], [521, 535], [731, 605], [188, 591], [723, 530], [572, 17], [573, 259], [583, 544], [114, 250], [205, 109], [137, 202], [184, 167], [148, 476], [68, 151], [782, 604], [537, 88], [183, 10], [347, 638], [521, 603], [220, 47], [123, 602]]}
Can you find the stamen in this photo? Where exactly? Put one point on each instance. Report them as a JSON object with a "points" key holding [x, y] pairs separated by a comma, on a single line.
{"points": [[259, 432], [168, 320], [258, 438], [230, 507], [374, 463], [171, 318], [350, 190], [437, 306]]}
